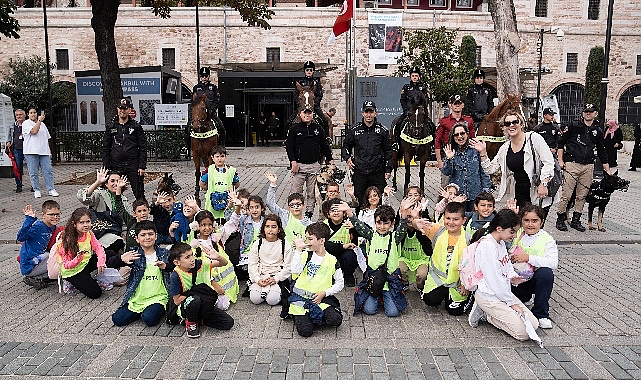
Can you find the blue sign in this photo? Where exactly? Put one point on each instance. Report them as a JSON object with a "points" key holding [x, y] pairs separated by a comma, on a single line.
{"points": [[130, 86]]}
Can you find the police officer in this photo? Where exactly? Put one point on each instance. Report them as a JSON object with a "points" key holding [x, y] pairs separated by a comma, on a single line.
{"points": [[549, 129], [212, 101], [576, 156], [406, 96], [480, 97], [310, 80], [124, 148], [368, 152]]}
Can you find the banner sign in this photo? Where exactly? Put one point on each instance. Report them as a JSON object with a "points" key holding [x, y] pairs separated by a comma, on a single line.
{"points": [[385, 37]]}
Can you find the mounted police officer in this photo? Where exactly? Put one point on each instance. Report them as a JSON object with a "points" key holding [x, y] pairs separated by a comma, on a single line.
{"points": [[212, 101], [407, 94], [310, 80], [480, 98]]}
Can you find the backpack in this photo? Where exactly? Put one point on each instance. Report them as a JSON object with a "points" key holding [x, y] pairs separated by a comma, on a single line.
{"points": [[468, 274], [554, 184]]}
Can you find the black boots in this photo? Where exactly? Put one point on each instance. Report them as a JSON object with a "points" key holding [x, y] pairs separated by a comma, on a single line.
{"points": [[576, 222], [560, 222]]}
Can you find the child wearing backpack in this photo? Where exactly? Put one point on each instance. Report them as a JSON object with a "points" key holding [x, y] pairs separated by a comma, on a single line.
{"points": [[448, 242], [269, 262], [494, 301]]}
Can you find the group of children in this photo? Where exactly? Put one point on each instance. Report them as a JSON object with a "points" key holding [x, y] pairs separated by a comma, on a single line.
{"points": [[289, 260]]}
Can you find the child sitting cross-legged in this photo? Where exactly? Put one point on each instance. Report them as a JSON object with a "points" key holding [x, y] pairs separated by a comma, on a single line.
{"points": [[146, 294], [192, 290], [415, 251]]}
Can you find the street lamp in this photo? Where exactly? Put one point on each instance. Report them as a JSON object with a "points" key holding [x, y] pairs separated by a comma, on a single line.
{"points": [[539, 48], [606, 63]]}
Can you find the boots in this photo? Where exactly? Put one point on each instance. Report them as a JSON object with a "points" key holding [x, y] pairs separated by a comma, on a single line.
{"points": [[576, 222], [560, 222]]}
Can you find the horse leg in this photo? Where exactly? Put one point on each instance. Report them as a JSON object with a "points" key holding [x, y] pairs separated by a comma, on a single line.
{"points": [[407, 157], [421, 173], [394, 167]]}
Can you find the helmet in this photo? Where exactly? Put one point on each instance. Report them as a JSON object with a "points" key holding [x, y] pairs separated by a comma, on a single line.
{"points": [[478, 73], [415, 70], [204, 71], [309, 65]]}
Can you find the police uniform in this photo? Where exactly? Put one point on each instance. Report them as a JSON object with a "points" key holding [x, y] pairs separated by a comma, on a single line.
{"points": [[480, 98], [550, 132], [407, 93], [308, 81], [212, 100]]}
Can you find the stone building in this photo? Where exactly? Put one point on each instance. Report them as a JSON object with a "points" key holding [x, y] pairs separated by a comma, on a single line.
{"points": [[255, 67]]}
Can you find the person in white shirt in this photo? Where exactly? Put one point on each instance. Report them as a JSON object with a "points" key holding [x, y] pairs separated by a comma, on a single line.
{"points": [[493, 300], [37, 153]]}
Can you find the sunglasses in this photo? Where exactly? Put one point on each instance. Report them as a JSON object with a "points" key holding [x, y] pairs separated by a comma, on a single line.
{"points": [[309, 69], [512, 122], [460, 134]]}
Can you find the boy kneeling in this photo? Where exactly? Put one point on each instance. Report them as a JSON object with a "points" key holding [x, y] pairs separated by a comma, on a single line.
{"points": [[317, 278]]}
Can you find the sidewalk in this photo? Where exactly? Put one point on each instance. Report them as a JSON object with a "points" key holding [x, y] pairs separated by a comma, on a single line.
{"points": [[594, 307]]}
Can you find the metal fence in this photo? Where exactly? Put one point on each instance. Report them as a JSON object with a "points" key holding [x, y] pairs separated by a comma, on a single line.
{"points": [[162, 145]]}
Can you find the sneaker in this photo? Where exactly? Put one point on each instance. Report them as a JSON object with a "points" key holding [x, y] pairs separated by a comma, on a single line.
{"points": [[53, 193], [350, 280], [68, 288], [105, 286], [36, 283], [37, 194], [19, 189], [545, 323], [530, 303], [192, 329], [476, 314]]}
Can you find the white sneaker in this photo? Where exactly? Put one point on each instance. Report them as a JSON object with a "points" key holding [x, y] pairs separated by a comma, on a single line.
{"points": [[545, 323], [53, 193], [37, 194], [530, 303], [476, 314]]}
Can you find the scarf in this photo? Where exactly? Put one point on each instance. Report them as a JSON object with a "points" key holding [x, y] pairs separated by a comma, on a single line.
{"points": [[612, 126]]}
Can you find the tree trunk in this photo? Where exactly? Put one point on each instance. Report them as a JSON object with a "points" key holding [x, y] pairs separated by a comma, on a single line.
{"points": [[507, 59], [103, 22]]}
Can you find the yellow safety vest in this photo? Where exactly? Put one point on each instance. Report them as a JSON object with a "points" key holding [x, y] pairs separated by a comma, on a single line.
{"points": [[306, 287], [218, 182], [443, 269]]}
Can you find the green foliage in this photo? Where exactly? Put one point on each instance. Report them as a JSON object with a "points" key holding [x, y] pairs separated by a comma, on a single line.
{"points": [[253, 12], [468, 51], [593, 74], [628, 132], [26, 83], [435, 52], [8, 24]]}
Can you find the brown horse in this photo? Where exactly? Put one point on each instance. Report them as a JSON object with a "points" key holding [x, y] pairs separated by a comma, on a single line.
{"points": [[305, 98], [490, 130], [204, 136], [416, 137]]}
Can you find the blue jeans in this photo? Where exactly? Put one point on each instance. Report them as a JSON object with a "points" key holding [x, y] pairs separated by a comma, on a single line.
{"points": [[151, 316], [36, 162], [17, 154], [540, 285], [370, 306]]}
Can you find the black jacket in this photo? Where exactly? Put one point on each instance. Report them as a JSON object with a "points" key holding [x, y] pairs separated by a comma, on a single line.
{"points": [[407, 89], [369, 147], [213, 96], [480, 99], [578, 142], [124, 145], [307, 143], [318, 90], [550, 132], [336, 249]]}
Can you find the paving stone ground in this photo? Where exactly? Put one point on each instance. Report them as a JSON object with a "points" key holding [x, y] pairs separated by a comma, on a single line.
{"points": [[595, 309]]}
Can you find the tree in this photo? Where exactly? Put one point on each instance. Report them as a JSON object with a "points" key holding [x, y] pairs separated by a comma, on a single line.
{"points": [[468, 51], [593, 74], [507, 41], [8, 24], [435, 52], [103, 22]]}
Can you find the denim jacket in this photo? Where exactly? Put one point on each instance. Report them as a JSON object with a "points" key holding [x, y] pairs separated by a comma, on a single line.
{"points": [[465, 171], [138, 270]]}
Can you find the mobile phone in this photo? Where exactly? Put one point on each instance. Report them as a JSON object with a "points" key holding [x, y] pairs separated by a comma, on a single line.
{"points": [[42, 112]]}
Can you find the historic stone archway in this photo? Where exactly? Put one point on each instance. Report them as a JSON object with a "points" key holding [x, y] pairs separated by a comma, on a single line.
{"points": [[570, 98], [629, 111]]}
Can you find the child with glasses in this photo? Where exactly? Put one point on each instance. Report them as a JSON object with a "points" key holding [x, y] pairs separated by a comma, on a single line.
{"points": [[35, 235], [294, 220]]}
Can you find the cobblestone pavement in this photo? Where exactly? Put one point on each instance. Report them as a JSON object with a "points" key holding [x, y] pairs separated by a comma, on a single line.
{"points": [[594, 307]]}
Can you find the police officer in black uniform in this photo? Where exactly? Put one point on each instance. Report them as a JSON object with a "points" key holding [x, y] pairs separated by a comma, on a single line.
{"points": [[480, 98], [308, 80], [549, 129], [406, 95], [204, 86]]}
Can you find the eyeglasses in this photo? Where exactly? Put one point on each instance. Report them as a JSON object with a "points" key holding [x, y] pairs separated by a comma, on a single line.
{"points": [[53, 215], [460, 134], [512, 122], [295, 205]]}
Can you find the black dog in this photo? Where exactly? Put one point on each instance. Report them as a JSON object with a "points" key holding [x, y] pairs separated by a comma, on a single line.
{"points": [[600, 193]]}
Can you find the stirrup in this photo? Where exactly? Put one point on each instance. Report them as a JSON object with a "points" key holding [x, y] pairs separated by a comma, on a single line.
{"points": [[395, 147]]}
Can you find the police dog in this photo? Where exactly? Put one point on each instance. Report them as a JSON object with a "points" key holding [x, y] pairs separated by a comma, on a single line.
{"points": [[599, 196], [327, 174]]}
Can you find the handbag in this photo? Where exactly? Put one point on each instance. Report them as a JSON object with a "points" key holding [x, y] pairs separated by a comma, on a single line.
{"points": [[378, 277], [554, 184]]}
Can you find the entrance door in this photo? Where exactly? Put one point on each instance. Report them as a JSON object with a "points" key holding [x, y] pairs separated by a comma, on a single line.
{"points": [[267, 101]]}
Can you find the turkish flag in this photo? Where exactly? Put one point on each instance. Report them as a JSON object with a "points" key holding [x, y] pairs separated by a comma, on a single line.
{"points": [[343, 21]]}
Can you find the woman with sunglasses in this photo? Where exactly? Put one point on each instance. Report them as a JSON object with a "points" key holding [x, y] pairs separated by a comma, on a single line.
{"points": [[515, 161], [463, 164]]}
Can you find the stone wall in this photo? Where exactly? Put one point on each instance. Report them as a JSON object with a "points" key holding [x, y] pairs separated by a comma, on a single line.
{"points": [[301, 34]]}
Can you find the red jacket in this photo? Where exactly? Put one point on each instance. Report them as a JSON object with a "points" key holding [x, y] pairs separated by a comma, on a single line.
{"points": [[445, 125]]}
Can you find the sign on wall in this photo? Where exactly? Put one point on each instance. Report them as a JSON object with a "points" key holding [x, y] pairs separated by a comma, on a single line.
{"points": [[385, 37], [171, 114]]}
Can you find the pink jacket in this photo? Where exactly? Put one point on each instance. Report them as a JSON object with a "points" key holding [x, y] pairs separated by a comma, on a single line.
{"points": [[68, 262]]}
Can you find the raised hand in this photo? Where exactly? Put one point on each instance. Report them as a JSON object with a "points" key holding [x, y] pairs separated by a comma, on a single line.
{"points": [[421, 224], [299, 244], [349, 189], [511, 204], [271, 177], [479, 145], [388, 191], [28, 211], [161, 198], [122, 182], [343, 206], [459, 198], [129, 256], [449, 153], [443, 193], [101, 175], [190, 201]]}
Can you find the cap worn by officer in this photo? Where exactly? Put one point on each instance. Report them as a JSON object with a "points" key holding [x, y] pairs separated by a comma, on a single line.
{"points": [[307, 107], [479, 73], [415, 70], [548, 111], [125, 103], [309, 65], [368, 105], [455, 99], [204, 72], [589, 107]]}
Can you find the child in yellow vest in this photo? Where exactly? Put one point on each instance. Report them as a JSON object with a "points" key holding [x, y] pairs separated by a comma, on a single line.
{"points": [[218, 180], [414, 251], [448, 240], [342, 240], [294, 219]]}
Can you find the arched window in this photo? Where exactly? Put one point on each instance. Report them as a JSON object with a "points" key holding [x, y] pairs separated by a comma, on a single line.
{"points": [[570, 98], [629, 111]]}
